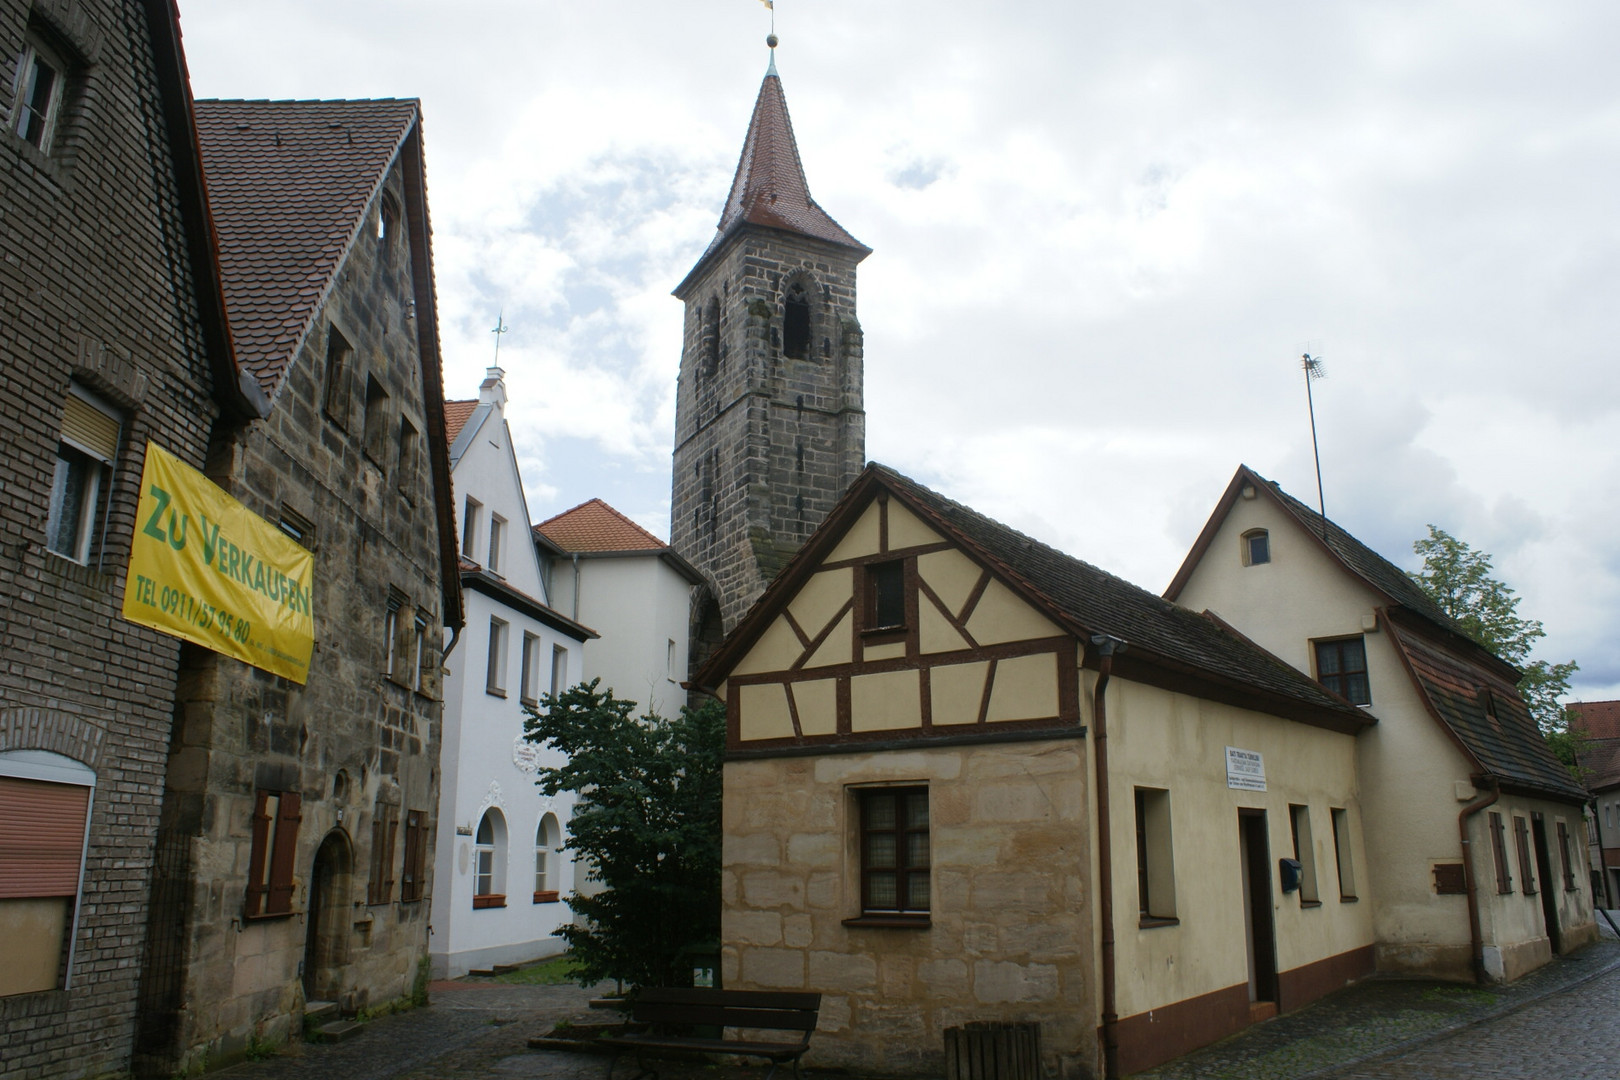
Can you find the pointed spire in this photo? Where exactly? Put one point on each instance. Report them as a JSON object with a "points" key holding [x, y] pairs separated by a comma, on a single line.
{"points": [[769, 187]]}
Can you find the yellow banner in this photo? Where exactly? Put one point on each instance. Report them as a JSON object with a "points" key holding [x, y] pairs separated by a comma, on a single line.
{"points": [[205, 568]]}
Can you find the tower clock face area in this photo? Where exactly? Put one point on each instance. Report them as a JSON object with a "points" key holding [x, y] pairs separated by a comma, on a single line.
{"points": [[770, 423]]}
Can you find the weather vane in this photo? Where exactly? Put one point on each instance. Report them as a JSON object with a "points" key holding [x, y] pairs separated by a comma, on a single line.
{"points": [[1313, 371], [500, 328], [770, 39]]}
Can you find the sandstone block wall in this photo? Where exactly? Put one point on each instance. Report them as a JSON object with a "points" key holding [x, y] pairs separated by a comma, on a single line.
{"points": [[1009, 935], [94, 288]]}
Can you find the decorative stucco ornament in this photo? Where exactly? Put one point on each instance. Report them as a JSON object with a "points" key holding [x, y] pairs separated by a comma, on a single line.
{"points": [[525, 755]]}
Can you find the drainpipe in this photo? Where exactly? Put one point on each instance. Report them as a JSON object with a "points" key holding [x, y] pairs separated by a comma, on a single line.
{"points": [[576, 586], [1106, 647], [1476, 937]]}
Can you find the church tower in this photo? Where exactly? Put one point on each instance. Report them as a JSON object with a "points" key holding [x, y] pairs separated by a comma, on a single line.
{"points": [[770, 427]]}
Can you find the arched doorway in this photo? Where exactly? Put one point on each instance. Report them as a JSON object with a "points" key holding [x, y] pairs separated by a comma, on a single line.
{"points": [[326, 944]]}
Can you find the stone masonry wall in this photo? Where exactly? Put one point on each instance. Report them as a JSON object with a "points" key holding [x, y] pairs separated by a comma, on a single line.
{"points": [[95, 287], [764, 444], [353, 738], [1010, 928]]}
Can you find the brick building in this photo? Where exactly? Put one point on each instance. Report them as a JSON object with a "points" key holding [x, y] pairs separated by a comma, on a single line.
{"points": [[770, 427], [111, 336], [300, 817]]}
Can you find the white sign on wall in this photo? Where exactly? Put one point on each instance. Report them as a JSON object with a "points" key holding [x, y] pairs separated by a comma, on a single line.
{"points": [[1245, 770]]}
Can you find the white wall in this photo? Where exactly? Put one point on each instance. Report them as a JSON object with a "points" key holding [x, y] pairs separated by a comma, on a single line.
{"points": [[639, 604]]}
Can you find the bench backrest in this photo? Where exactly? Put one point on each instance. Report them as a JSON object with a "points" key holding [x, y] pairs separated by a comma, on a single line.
{"points": [[765, 1010]]}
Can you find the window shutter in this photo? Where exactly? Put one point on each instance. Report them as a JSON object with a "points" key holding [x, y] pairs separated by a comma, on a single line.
{"points": [[257, 855], [284, 856], [90, 429], [41, 837]]}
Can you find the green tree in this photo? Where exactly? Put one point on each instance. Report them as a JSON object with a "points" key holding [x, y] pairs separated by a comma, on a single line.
{"points": [[1459, 580], [647, 825]]}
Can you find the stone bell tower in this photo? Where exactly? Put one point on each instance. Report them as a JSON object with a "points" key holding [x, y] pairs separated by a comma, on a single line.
{"points": [[770, 427]]}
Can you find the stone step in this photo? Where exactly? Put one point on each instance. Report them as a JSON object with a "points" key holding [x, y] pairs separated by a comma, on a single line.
{"points": [[339, 1030], [320, 1011]]}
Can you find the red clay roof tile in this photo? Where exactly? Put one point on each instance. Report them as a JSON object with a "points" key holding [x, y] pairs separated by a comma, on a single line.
{"points": [[596, 526], [289, 183], [456, 415], [1600, 719]]}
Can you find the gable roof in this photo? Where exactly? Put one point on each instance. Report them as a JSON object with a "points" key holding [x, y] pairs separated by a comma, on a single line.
{"points": [[593, 525], [1166, 645], [456, 415], [1600, 759], [1483, 713], [289, 183], [769, 188], [1599, 719], [1376, 572]]}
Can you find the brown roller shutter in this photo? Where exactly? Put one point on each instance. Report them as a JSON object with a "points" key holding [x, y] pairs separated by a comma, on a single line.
{"points": [[41, 837], [284, 855]]}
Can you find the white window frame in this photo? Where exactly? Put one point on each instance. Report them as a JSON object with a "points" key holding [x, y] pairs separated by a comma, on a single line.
{"points": [[529, 680], [33, 58], [471, 512], [559, 669], [495, 671], [99, 466], [497, 541], [57, 768]]}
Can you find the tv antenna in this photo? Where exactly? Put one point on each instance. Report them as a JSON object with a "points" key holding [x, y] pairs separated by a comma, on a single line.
{"points": [[1313, 371]]}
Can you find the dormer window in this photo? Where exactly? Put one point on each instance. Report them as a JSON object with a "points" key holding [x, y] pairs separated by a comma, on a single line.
{"points": [[796, 323], [1256, 547]]}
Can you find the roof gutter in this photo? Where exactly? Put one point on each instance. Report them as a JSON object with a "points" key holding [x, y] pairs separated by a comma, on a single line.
{"points": [[1476, 936], [1106, 647]]}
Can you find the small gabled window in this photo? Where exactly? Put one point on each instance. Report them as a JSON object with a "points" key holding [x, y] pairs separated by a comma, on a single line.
{"points": [[1256, 547]]}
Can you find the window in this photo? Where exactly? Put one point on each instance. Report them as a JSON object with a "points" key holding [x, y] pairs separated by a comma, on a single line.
{"points": [[84, 460], [405, 467], [339, 377], [886, 596], [1256, 547], [497, 538], [1569, 867], [1155, 864], [529, 684], [297, 526], [1342, 852], [709, 340], [419, 651], [796, 323], [559, 669], [41, 81], [547, 839], [470, 522], [1299, 818], [387, 226], [1341, 666], [1504, 876], [45, 801], [416, 842], [272, 856], [489, 861], [391, 642], [495, 674], [894, 851], [1521, 842], [669, 662], [376, 434], [384, 830]]}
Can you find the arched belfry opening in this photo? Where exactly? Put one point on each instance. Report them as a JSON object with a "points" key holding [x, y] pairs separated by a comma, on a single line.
{"points": [[774, 288]]}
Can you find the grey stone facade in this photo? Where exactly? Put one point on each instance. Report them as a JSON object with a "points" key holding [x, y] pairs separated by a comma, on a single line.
{"points": [[96, 290], [764, 443]]}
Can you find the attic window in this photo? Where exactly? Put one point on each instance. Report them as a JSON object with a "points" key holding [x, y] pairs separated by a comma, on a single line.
{"points": [[387, 226], [1256, 547], [796, 323], [1341, 666], [886, 596]]}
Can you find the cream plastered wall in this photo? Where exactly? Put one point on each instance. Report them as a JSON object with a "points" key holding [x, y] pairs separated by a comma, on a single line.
{"points": [[1009, 933], [1513, 924], [1414, 779], [1163, 740], [960, 607]]}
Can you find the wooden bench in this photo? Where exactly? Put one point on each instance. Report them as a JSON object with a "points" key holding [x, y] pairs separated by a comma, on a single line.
{"points": [[670, 1014]]}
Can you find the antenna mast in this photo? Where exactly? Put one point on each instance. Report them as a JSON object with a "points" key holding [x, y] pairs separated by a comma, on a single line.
{"points": [[1313, 371]]}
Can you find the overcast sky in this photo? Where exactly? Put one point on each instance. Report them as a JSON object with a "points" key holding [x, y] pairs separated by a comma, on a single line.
{"points": [[1102, 233]]}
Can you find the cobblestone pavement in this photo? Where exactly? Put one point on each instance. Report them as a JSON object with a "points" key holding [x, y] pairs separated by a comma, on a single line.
{"points": [[1561, 1022]]}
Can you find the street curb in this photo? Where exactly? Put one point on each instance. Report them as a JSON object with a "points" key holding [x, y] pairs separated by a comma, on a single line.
{"points": [[1460, 1025]]}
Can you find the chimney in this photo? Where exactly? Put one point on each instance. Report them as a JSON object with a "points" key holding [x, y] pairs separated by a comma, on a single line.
{"points": [[492, 391]]}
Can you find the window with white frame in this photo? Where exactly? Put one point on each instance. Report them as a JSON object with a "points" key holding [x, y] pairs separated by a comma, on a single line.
{"points": [[91, 431], [1299, 819], [489, 861], [40, 88], [497, 540], [419, 651], [45, 802], [391, 633], [1342, 849], [471, 523], [559, 669], [529, 683], [495, 673], [547, 839], [1155, 857]]}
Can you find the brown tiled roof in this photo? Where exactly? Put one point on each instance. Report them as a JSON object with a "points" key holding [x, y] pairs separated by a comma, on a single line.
{"points": [[769, 187], [456, 415], [595, 526], [1159, 635], [1600, 759], [1599, 719], [289, 183], [1484, 713]]}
